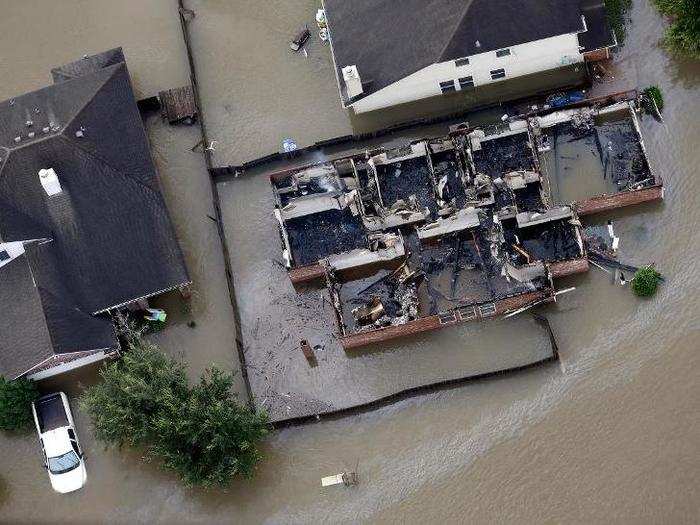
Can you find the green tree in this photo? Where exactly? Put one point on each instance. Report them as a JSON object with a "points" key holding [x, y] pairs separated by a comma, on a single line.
{"points": [[683, 34], [16, 403], [214, 438], [200, 432], [646, 281], [134, 390]]}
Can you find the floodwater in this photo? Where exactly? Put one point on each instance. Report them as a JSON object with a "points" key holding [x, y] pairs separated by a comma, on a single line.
{"points": [[610, 434], [256, 92]]}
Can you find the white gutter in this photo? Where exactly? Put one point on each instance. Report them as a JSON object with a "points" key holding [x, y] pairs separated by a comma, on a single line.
{"points": [[71, 365], [147, 296], [335, 63]]}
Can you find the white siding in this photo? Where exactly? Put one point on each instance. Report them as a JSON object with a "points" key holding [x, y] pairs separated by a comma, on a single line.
{"points": [[525, 59]]}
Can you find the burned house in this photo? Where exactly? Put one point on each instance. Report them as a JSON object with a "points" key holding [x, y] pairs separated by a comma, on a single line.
{"points": [[84, 228], [464, 227]]}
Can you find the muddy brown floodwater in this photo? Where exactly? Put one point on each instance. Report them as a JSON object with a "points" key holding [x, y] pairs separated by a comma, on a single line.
{"points": [[610, 434]]}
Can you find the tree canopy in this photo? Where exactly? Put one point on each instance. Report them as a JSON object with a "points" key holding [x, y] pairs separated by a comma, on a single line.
{"points": [[202, 432], [16, 403], [683, 35]]}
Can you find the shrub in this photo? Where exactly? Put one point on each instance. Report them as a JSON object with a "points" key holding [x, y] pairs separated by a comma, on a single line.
{"points": [[683, 35], [653, 93], [15, 403], [646, 281], [617, 17], [200, 432]]}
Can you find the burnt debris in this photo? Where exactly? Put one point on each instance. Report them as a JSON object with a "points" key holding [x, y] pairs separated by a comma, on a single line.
{"points": [[451, 229]]}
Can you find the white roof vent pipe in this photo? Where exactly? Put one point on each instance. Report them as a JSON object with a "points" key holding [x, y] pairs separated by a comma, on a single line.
{"points": [[353, 83], [49, 181]]}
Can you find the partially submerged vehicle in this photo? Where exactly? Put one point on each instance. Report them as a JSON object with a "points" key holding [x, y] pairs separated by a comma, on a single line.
{"points": [[470, 226], [63, 457]]}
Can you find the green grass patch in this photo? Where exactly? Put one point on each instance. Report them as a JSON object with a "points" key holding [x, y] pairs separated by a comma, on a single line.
{"points": [[652, 95]]}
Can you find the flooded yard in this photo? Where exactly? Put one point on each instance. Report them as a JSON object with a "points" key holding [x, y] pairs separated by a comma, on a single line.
{"points": [[257, 92], [609, 434]]}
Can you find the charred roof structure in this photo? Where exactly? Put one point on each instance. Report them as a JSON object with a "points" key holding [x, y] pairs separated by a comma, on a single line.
{"points": [[463, 227], [84, 228]]}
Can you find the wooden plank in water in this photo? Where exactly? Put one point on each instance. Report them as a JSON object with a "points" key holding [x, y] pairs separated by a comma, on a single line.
{"points": [[178, 104]]}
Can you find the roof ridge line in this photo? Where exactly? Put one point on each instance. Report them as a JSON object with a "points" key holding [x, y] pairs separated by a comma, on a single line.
{"points": [[41, 302], [11, 149], [98, 158], [43, 289], [4, 158], [457, 26], [100, 88]]}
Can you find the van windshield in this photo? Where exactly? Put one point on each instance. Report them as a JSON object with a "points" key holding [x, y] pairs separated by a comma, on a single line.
{"points": [[64, 463]]}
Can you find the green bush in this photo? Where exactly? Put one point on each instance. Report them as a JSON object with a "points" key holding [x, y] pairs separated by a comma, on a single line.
{"points": [[683, 35], [203, 433], [617, 17], [16, 403], [646, 281], [653, 93]]}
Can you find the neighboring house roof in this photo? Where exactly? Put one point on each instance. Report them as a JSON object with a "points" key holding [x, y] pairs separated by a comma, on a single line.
{"points": [[388, 40], [110, 239], [40, 319]]}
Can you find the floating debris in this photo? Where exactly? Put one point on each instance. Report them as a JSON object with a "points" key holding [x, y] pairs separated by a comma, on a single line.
{"points": [[346, 478]]}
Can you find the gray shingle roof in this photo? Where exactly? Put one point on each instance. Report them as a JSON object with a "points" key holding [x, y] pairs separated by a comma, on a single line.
{"points": [[88, 64], [112, 241], [40, 318], [113, 235], [389, 40], [24, 336]]}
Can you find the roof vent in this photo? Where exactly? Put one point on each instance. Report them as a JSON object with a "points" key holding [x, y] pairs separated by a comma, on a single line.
{"points": [[353, 83], [4, 256], [49, 181]]}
